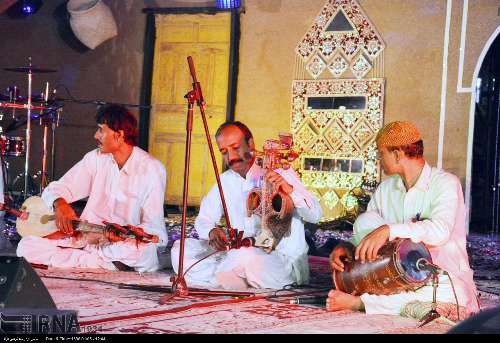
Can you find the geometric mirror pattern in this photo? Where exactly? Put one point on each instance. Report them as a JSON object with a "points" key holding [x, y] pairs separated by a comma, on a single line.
{"points": [[337, 145], [340, 31]]}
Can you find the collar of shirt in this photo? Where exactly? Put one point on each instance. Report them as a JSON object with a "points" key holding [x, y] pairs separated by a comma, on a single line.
{"points": [[128, 164], [422, 183]]}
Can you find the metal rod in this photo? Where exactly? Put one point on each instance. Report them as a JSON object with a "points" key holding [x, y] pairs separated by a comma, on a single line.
{"points": [[44, 157], [179, 286], [187, 158], [45, 137], [201, 105], [28, 134], [53, 149]]}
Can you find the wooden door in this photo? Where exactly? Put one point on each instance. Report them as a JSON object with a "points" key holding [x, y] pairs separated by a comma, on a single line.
{"points": [[206, 38]]}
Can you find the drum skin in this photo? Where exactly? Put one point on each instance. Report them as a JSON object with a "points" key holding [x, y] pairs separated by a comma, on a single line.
{"points": [[394, 272]]}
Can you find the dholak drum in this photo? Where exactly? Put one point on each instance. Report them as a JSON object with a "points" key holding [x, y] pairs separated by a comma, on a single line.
{"points": [[394, 272], [12, 146]]}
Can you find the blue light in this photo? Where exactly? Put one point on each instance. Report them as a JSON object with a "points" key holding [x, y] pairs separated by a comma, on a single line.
{"points": [[27, 9], [227, 4], [30, 7]]}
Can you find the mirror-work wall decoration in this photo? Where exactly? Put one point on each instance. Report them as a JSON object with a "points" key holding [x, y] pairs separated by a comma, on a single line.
{"points": [[338, 105]]}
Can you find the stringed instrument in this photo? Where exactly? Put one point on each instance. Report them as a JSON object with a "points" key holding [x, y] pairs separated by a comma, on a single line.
{"points": [[36, 219]]}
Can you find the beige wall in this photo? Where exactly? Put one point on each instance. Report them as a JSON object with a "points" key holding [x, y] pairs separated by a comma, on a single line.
{"points": [[413, 31]]}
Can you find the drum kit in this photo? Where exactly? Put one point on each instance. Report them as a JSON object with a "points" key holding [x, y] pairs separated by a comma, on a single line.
{"points": [[19, 111]]}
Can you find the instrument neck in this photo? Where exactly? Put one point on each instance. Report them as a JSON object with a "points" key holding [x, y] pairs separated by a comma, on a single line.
{"points": [[88, 227]]}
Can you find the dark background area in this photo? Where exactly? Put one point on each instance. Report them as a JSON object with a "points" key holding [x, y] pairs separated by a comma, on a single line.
{"points": [[111, 72]]}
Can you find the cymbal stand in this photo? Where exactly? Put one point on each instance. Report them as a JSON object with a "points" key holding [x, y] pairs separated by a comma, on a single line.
{"points": [[54, 124], [28, 133], [45, 124], [179, 285]]}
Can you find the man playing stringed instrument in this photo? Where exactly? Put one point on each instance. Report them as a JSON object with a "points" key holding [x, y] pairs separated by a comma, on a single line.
{"points": [[124, 185], [417, 202], [248, 266]]}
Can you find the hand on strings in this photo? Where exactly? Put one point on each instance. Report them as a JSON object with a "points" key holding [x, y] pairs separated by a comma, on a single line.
{"points": [[339, 255], [64, 216], [278, 182], [368, 248], [114, 232], [217, 239]]}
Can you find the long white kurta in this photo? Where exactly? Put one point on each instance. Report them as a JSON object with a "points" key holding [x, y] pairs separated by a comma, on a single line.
{"points": [[438, 201], [131, 195], [285, 265]]}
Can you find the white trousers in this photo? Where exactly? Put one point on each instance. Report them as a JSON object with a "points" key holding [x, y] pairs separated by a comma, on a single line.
{"points": [[66, 253], [231, 269], [394, 303]]}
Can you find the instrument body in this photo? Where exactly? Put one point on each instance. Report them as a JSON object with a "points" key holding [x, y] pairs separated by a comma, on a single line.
{"points": [[35, 219], [394, 272], [272, 205]]}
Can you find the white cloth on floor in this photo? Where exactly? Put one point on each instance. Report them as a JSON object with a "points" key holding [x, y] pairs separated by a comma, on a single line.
{"points": [[437, 200], [131, 195], [286, 264]]}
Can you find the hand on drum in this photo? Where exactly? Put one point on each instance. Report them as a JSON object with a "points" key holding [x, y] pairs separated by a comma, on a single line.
{"points": [[338, 255], [64, 216], [368, 248]]}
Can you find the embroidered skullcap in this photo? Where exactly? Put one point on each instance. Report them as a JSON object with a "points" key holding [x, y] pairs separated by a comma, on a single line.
{"points": [[398, 133]]}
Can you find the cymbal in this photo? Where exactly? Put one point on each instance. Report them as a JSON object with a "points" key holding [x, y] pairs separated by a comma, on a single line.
{"points": [[28, 69]]}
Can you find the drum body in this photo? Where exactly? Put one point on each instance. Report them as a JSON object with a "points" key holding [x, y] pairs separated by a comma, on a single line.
{"points": [[394, 272], [13, 146]]}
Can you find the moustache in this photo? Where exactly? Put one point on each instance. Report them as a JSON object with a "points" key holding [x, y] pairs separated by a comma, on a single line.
{"points": [[235, 161]]}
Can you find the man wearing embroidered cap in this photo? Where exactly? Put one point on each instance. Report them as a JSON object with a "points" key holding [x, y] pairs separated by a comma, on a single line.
{"points": [[418, 202]]}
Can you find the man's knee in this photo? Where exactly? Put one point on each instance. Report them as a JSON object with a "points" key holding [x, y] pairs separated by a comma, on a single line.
{"points": [[30, 246]]}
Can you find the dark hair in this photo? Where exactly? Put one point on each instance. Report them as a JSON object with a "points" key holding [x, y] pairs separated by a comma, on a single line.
{"points": [[243, 128], [413, 150], [119, 118]]}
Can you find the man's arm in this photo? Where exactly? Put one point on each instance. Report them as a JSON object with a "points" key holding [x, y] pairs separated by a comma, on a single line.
{"points": [[152, 216], [210, 213], [307, 206], [76, 184], [446, 207]]}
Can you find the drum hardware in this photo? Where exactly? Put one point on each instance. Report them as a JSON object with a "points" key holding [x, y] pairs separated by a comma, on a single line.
{"points": [[12, 146], [433, 313], [29, 70]]}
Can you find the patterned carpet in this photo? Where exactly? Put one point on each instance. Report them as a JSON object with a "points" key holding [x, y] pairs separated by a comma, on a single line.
{"points": [[106, 305]]}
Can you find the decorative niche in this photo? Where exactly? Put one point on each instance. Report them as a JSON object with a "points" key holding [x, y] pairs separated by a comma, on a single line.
{"points": [[337, 105]]}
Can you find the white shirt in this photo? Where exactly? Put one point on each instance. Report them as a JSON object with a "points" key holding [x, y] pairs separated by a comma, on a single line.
{"points": [[131, 195], [236, 189], [438, 201]]}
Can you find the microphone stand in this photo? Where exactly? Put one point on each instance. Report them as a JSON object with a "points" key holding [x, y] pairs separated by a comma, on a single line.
{"points": [[179, 285], [433, 313]]}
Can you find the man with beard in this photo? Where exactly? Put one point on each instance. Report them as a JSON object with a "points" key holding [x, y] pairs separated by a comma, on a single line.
{"points": [[417, 202], [247, 267], [124, 185]]}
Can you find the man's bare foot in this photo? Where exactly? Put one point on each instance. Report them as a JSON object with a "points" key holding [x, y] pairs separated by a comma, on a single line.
{"points": [[338, 301]]}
